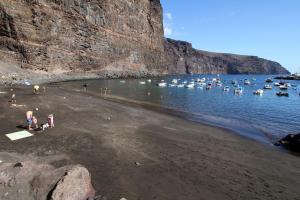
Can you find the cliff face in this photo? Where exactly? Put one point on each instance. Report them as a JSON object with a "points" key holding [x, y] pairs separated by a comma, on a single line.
{"points": [[182, 58], [110, 37]]}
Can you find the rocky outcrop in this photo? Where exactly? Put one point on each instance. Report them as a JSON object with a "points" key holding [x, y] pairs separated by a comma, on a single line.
{"points": [[108, 37], [29, 179], [182, 58], [291, 142]]}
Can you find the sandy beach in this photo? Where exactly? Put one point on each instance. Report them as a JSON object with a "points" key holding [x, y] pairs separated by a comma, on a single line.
{"points": [[136, 152]]}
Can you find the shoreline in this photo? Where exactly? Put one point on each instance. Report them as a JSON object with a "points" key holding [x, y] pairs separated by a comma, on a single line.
{"points": [[179, 159], [244, 129]]}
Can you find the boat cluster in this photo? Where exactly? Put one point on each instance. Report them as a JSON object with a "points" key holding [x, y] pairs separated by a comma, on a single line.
{"points": [[282, 86], [208, 84], [201, 83]]}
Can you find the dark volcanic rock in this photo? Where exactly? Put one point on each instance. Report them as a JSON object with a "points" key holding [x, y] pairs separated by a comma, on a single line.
{"points": [[291, 142], [110, 37], [182, 58]]}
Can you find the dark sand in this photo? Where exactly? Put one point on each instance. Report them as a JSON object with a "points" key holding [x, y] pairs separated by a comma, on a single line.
{"points": [[178, 159]]}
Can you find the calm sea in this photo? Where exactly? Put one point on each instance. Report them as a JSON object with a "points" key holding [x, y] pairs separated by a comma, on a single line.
{"points": [[266, 118]]}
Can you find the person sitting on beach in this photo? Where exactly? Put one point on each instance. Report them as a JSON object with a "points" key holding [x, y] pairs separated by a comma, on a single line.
{"points": [[29, 115], [36, 89]]}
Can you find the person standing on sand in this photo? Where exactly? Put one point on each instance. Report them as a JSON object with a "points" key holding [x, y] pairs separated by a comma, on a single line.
{"points": [[13, 98], [85, 87], [29, 115]]}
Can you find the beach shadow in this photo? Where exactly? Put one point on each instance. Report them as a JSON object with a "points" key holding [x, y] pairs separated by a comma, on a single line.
{"points": [[22, 126]]}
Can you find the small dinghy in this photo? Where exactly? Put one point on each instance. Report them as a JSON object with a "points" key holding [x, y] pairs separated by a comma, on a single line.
{"points": [[226, 89], [258, 92], [238, 90], [282, 94], [162, 84], [268, 87]]}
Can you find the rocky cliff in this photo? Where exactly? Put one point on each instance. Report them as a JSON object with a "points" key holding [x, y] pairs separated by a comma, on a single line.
{"points": [[182, 58], [109, 37]]}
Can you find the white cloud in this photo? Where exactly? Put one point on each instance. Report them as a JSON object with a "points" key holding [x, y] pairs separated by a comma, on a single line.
{"points": [[168, 31], [169, 16], [168, 24]]}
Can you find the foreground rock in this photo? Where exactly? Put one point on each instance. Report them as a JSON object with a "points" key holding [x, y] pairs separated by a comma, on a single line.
{"points": [[75, 185], [291, 142], [29, 180]]}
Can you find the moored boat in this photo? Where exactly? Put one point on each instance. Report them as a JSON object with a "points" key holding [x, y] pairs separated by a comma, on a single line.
{"points": [[276, 84], [226, 89], [283, 87], [190, 85], [268, 87], [174, 81], [238, 90], [269, 80], [162, 84], [258, 92], [247, 82], [281, 94]]}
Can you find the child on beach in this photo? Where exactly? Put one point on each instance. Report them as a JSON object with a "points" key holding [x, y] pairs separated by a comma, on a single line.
{"points": [[35, 122]]}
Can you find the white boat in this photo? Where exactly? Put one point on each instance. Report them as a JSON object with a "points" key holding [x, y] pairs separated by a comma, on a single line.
{"points": [[269, 80], [149, 80], [226, 89], [219, 84], [288, 85], [208, 87], [172, 85], [283, 87], [180, 85], [190, 85], [142, 82], [201, 84], [122, 81], [277, 84], [162, 84], [238, 90], [247, 82], [258, 92], [174, 81], [201, 80], [268, 87]]}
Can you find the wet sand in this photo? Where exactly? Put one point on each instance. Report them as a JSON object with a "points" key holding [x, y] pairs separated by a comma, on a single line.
{"points": [[177, 159]]}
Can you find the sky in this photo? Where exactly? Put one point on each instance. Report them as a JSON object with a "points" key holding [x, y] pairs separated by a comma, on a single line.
{"points": [[266, 28]]}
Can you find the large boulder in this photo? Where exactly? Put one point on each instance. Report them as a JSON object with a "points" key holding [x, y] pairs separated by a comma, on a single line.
{"points": [[75, 185], [29, 178], [291, 142]]}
